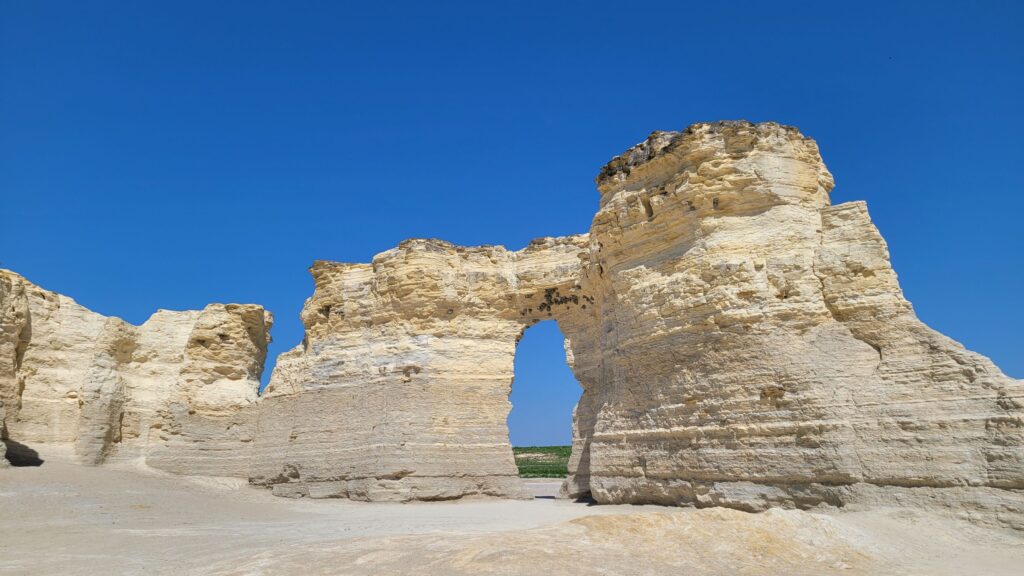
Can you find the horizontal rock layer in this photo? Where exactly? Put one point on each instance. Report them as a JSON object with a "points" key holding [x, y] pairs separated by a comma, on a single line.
{"points": [[400, 388], [739, 341], [172, 391], [772, 347]]}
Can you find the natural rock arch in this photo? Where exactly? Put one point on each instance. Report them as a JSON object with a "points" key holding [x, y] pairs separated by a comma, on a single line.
{"points": [[419, 347], [740, 342], [744, 344]]}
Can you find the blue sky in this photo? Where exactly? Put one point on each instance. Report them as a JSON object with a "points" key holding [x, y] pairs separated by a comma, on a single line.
{"points": [[167, 155]]}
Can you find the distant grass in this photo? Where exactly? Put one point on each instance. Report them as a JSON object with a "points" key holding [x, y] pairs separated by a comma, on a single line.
{"points": [[542, 461]]}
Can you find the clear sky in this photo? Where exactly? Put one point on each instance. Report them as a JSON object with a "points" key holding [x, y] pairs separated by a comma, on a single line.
{"points": [[171, 154]]}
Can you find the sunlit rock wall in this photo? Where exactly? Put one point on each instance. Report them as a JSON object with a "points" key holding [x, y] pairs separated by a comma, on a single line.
{"points": [[758, 349], [170, 392], [739, 341], [400, 387]]}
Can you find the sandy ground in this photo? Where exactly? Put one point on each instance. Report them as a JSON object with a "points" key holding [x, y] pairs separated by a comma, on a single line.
{"points": [[61, 518]]}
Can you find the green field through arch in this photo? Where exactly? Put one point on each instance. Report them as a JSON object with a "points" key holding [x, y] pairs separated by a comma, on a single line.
{"points": [[544, 394]]}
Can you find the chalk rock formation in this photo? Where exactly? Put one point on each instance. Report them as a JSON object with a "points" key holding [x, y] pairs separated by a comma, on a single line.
{"points": [[740, 342], [400, 388], [169, 391], [758, 349]]}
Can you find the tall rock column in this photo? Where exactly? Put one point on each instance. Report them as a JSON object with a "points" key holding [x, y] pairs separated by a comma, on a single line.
{"points": [[14, 332], [757, 348]]}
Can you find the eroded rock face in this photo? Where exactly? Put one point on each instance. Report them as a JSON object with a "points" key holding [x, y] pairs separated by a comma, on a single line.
{"points": [[772, 358], [739, 341], [400, 388], [169, 391]]}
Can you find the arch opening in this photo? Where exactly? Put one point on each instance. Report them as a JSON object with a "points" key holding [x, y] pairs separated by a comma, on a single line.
{"points": [[544, 396]]}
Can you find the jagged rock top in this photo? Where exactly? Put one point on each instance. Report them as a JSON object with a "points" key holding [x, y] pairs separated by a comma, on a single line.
{"points": [[736, 137]]}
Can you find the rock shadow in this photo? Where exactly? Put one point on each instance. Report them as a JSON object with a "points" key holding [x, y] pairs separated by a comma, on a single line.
{"points": [[20, 455]]}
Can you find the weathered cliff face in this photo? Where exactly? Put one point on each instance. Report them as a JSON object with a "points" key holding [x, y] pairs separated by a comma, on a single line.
{"points": [[400, 388], [13, 338], [168, 391], [739, 341], [758, 349]]}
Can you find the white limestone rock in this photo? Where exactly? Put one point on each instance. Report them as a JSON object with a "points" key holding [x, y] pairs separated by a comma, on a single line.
{"points": [[740, 343], [400, 388], [773, 358], [114, 390]]}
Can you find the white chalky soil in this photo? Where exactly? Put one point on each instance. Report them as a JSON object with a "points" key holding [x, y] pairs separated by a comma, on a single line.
{"points": [[62, 518]]}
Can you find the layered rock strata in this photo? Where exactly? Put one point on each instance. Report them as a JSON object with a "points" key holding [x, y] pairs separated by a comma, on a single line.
{"points": [[739, 341], [773, 358], [400, 388], [173, 391]]}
